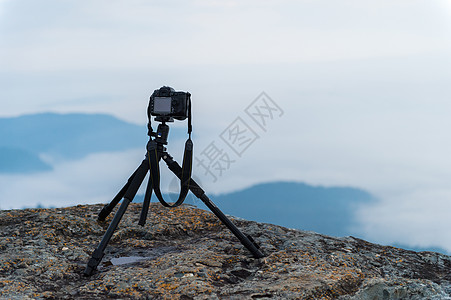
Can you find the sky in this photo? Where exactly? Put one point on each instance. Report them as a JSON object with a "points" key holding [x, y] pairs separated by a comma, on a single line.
{"points": [[361, 91]]}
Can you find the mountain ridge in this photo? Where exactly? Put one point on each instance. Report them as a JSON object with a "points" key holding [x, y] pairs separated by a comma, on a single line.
{"points": [[71, 135], [328, 210], [67, 136]]}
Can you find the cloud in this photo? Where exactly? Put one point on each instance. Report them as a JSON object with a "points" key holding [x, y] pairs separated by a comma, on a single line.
{"points": [[418, 218], [71, 182], [75, 35]]}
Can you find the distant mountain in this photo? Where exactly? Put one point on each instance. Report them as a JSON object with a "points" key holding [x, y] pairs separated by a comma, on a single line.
{"points": [[327, 210], [68, 136], [16, 160]]}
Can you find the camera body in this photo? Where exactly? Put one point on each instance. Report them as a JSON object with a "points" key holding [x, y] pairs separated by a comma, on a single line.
{"points": [[166, 102]]}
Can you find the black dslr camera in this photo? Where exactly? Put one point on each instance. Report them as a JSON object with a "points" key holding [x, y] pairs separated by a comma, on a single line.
{"points": [[166, 102]]}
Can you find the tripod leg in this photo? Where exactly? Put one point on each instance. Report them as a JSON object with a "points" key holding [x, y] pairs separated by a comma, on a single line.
{"points": [[106, 210], [146, 203], [247, 241], [133, 187], [98, 254]]}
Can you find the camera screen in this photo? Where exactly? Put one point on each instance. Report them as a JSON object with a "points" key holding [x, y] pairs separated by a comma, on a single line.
{"points": [[162, 105]]}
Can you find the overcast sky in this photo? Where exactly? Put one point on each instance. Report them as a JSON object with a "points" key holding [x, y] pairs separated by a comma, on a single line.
{"points": [[363, 85]]}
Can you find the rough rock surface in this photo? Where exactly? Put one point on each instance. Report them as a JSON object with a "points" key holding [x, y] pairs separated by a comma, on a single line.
{"points": [[186, 253]]}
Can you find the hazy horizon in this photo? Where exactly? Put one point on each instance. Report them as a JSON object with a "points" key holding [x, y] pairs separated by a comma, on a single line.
{"points": [[362, 86]]}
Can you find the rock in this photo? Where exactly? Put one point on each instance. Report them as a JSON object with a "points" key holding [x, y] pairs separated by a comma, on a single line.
{"points": [[187, 253]]}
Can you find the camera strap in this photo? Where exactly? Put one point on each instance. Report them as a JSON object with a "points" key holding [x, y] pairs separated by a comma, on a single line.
{"points": [[152, 153], [186, 172]]}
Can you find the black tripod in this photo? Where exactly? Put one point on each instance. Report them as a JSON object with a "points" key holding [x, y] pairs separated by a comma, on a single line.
{"points": [[128, 192]]}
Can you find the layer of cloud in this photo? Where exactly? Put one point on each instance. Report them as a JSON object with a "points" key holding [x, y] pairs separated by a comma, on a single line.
{"points": [[70, 183]]}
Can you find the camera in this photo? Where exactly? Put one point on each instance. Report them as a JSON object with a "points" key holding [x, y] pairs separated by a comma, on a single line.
{"points": [[166, 102]]}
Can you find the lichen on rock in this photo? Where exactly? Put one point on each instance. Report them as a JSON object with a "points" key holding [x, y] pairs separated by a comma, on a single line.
{"points": [[186, 253]]}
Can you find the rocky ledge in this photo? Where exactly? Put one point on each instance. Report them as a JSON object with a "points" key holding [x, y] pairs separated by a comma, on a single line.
{"points": [[186, 253]]}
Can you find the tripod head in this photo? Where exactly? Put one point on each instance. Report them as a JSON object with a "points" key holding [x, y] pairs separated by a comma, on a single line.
{"points": [[162, 133], [161, 136]]}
